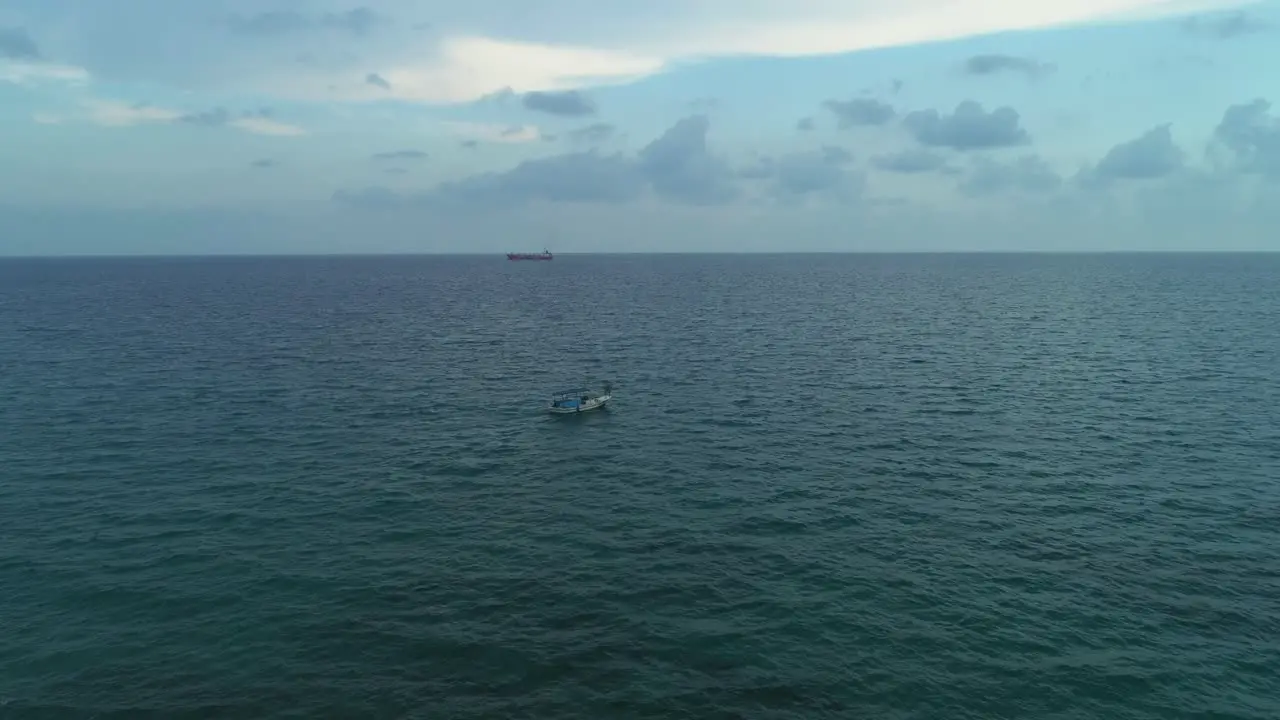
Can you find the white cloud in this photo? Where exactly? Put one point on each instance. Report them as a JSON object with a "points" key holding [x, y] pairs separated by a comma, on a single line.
{"points": [[117, 114], [46, 119], [482, 46], [462, 69], [113, 113], [823, 27], [266, 126], [473, 66], [481, 49], [23, 73], [494, 133]]}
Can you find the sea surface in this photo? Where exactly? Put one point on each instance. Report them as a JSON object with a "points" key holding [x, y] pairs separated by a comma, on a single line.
{"points": [[830, 486]]}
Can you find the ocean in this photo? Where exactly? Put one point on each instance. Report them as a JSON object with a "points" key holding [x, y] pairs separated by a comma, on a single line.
{"points": [[829, 486]]}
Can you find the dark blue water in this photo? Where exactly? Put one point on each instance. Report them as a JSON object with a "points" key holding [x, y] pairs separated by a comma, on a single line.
{"points": [[831, 487]]}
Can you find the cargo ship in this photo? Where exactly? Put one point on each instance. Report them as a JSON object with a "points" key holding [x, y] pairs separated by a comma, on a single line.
{"points": [[544, 255]]}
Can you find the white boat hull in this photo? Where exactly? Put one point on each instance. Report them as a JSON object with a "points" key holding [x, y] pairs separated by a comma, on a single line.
{"points": [[594, 403]]}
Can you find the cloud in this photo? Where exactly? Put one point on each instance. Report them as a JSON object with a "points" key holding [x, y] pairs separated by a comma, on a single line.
{"points": [[912, 161], [594, 133], [473, 132], [377, 80], [836, 155], [821, 173], [968, 128], [1028, 173], [570, 103], [1252, 134], [269, 23], [585, 177], [16, 44], [993, 64], [805, 124], [464, 69], [22, 73], [474, 49], [668, 34], [374, 196], [117, 114], [358, 21], [217, 117], [677, 167], [1225, 27], [860, 111], [576, 177], [266, 126], [500, 97], [1150, 156], [258, 123], [680, 168], [704, 104], [400, 155], [264, 163]]}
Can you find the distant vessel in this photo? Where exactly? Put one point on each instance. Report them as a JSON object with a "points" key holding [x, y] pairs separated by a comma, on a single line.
{"points": [[544, 255]]}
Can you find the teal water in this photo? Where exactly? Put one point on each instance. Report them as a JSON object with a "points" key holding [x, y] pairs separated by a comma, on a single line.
{"points": [[831, 487]]}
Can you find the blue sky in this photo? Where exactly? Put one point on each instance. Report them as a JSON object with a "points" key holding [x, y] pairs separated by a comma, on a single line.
{"points": [[233, 126]]}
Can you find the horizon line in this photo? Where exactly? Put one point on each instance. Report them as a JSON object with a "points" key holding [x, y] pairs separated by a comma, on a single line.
{"points": [[501, 255]]}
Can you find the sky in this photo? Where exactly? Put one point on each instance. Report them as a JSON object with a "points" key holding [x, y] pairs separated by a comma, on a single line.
{"points": [[420, 126]]}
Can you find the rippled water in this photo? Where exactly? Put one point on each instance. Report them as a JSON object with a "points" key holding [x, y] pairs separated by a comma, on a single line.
{"points": [[831, 486]]}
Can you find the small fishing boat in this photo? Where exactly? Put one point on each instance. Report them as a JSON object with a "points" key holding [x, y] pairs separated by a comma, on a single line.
{"points": [[578, 400]]}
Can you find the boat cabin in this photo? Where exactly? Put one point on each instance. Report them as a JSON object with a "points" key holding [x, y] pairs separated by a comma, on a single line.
{"points": [[570, 399]]}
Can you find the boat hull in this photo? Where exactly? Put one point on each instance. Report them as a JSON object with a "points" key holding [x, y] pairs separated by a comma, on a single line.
{"points": [[592, 404], [529, 256]]}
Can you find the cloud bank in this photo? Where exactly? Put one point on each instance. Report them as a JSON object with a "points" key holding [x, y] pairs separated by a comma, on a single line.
{"points": [[467, 51], [980, 153]]}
